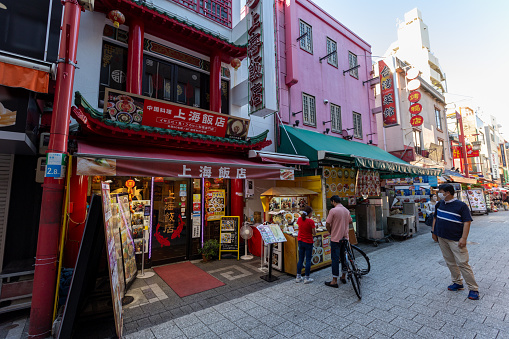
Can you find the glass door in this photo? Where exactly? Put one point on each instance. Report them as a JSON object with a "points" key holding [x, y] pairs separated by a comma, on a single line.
{"points": [[170, 221]]}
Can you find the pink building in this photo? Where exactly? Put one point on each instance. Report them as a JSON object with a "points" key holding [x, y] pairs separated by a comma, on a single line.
{"points": [[323, 72]]}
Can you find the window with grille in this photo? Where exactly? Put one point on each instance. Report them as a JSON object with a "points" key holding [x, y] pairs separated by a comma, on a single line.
{"points": [[357, 125], [331, 47], [352, 62], [306, 42], [335, 117], [308, 109], [438, 119]]}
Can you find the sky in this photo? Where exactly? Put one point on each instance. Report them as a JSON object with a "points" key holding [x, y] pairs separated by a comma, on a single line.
{"points": [[470, 39]]}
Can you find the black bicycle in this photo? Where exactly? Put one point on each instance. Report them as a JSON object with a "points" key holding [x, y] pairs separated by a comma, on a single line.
{"points": [[357, 263]]}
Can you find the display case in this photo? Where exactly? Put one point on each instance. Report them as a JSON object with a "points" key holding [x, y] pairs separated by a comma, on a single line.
{"points": [[321, 255]]}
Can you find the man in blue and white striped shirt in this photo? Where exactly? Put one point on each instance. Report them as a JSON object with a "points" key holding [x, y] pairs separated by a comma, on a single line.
{"points": [[450, 228]]}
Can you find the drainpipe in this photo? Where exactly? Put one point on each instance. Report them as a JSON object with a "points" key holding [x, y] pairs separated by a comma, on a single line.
{"points": [[53, 189]]}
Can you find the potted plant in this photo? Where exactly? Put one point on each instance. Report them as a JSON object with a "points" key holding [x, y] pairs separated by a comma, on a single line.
{"points": [[210, 250]]}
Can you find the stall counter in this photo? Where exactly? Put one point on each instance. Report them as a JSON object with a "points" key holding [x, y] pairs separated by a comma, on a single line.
{"points": [[321, 256]]}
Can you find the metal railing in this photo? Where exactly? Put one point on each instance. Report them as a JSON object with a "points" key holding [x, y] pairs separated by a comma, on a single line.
{"points": [[219, 11]]}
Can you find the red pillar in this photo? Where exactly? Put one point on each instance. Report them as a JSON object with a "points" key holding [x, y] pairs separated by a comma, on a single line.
{"points": [[78, 187], [135, 57], [215, 82], [53, 189], [463, 145], [237, 198]]}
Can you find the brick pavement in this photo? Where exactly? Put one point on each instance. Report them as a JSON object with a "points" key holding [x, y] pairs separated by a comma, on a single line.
{"points": [[405, 296]]}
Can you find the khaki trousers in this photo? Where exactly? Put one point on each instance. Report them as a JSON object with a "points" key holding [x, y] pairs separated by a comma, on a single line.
{"points": [[457, 260]]}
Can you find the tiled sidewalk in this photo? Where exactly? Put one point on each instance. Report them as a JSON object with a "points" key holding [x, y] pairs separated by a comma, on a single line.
{"points": [[405, 296]]}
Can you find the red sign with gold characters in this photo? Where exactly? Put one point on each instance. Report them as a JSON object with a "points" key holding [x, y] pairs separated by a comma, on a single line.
{"points": [[415, 108], [390, 116], [471, 153], [130, 183], [416, 120], [456, 152], [138, 110], [414, 96]]}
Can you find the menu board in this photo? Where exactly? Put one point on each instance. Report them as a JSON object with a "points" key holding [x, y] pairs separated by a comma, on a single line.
{"points": [[271, 234], [321, 249], [140, 210], [368, 183], [114, 252], [476, 198], [215, 204], [229, 234], [339, 181], [128, 255]]}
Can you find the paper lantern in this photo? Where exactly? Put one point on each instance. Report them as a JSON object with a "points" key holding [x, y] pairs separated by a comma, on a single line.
{"points": [[235, 63], [116, 17]]}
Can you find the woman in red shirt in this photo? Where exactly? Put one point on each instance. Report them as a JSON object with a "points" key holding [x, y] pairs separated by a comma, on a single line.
{"points": [[305, 238]]}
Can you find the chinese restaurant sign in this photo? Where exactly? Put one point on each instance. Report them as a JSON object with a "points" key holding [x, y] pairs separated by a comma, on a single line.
{"points": [[262, 63], [471, 153], [138, 110], [416, 120], [387, 88], [456, 152], [414, 96]]}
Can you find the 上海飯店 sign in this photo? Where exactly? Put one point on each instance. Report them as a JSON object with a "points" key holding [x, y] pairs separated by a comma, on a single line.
{"points": [[136, 109]]}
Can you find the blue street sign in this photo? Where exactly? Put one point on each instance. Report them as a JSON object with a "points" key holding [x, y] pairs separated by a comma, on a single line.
{"points": [[53, 171]]}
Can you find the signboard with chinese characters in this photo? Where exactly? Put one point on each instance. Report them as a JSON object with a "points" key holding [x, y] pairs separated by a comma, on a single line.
{"points": [[494, 166], [457, 152], [471, 153], [387, 88], [414, 96], [261, 54], [215, 204], [415, 108], [138, 110], [229, 235], [416, 120]]}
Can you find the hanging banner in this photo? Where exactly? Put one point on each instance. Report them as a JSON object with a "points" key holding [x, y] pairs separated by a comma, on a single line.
{"points": [[139, 110], [387, 87], [457, 152], [471, 153]]}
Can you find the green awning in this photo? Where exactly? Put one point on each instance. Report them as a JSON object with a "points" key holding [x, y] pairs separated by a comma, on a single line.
{"points": [[319, 147]]}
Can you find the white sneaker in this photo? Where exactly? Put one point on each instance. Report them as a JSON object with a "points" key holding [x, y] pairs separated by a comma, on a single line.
{"points": [[298, 279], [308, 280]]}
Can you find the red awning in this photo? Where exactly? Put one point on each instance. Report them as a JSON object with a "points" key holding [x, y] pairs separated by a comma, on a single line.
{"points": [[279, 158], [94, 159]]}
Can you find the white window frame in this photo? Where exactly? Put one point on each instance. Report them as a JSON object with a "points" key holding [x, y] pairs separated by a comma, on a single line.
{"points": [[352, 62], [357, 125], [335, 117], [438, 119], [306, 43], [308, 110], [418, 148], [332, 46]]}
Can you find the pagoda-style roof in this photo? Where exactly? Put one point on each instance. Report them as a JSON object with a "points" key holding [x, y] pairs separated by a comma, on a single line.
{"points": [[170, 27], [95, 126]]}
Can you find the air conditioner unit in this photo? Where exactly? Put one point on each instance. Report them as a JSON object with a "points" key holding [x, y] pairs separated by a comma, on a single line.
{"points": [[249, 188], [43, 143], [40, 170], [88, 5]]}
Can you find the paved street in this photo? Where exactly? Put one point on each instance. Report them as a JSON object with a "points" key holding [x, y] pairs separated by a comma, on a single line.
{"points": [[405, 296]]}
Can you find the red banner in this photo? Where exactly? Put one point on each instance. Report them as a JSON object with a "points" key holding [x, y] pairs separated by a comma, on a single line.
{"points": [[415, 108], [414, 96], [416, 120], [471, 153], [457, 152], [138, 110], [387, 87]]}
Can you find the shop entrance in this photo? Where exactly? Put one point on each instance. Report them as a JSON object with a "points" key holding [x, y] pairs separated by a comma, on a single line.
{"points": [[170, 220]]}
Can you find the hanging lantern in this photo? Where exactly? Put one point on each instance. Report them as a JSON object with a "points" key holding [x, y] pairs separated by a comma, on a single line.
{"points": [[235, 63], [116, 17]]}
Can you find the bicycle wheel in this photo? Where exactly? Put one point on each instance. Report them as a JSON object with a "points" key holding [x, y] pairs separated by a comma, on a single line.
{"points": [[361, 259], [354, 274]]}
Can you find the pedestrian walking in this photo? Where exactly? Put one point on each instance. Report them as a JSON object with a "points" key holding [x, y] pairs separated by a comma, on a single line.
{"points": [[305, 238], [337, 223], [450, 229]]}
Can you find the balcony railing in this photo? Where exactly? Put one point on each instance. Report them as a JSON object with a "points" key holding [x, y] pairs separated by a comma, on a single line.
{"points": [[219, 11]]}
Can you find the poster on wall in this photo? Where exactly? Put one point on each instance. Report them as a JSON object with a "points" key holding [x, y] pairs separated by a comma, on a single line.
{"points": [[339, 181], [138, 110], [114, 254], [215, 204], [368, 183], [140, 210]]}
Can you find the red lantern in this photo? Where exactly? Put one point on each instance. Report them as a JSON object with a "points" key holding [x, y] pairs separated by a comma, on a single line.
{"points": [[235, 63], [116, 17]]}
